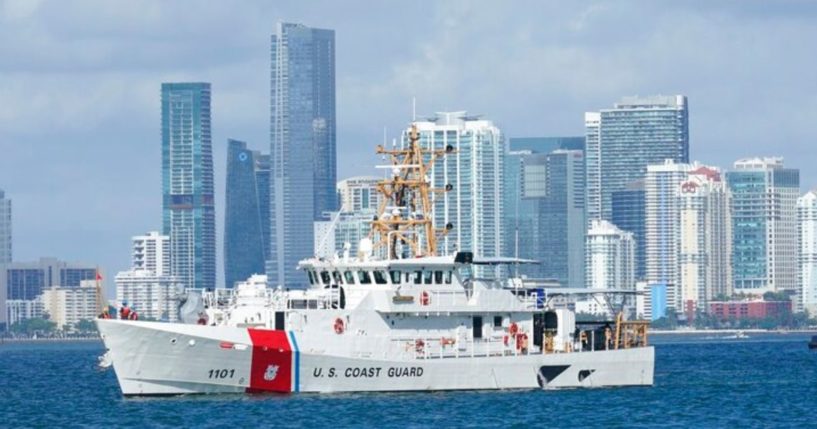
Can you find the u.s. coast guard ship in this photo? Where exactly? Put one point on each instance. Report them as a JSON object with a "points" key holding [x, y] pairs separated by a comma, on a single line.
{"points": [[408, 320]]}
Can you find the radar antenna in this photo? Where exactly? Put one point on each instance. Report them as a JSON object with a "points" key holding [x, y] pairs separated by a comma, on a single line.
{"points": [[405, 212]]}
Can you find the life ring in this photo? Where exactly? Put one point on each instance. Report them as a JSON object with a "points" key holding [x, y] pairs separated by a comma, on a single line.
{"points": [[201, 321], [522, 341], [514, 328], [419, 345], [425, 298], [339, 326]]}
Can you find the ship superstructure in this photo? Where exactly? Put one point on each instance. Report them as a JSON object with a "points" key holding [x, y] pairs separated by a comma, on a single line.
{"points": [[409, 320]]}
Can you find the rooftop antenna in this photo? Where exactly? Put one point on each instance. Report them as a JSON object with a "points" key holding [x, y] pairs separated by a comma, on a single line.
{"points": [[413, 109]]}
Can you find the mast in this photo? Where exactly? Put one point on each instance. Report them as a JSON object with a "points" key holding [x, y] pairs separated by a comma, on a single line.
{"points": [[404, 216]]}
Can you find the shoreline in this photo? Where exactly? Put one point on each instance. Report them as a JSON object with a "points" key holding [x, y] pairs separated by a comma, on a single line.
{"points": [[730, 331], [55, 340]]}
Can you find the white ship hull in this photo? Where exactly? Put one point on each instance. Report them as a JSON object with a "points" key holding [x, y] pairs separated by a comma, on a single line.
{"points": [[152, 358]]}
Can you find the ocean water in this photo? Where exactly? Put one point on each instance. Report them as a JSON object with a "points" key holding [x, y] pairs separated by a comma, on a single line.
{"points": [[767, 380]]}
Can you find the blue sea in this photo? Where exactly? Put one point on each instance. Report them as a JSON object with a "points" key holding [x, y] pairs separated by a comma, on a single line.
{"points": [[767, 380]]}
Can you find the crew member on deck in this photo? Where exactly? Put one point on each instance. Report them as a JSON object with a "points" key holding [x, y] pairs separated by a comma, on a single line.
{"points": [[124, 312]]}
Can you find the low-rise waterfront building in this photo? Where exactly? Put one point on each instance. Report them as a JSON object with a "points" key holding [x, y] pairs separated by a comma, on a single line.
{"points": [[18, 310], [756, 309]]}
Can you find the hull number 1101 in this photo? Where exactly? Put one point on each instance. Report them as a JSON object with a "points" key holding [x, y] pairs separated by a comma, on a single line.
{"points": [[221, 373]]}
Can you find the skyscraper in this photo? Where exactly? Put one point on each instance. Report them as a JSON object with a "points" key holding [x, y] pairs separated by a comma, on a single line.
{"points": [[5, 228], [610, 257], [621, 142], [246, 215], [524, 188], [662, 228], [189, 217], [764, 225], [562, 222], [475, 171], [544, 207], [807, 221], [302, 142], [5, 249], [628, 214], [705, 251]]}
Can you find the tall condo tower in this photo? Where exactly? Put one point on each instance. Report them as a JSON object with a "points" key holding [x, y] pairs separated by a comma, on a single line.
{"points": [[5, 229], [764, 225], [246, 215], [807, 220], [474, 170], [662, 228], [705, 254], [302, 143], [610, 257], [621, 142], [188, 216]]}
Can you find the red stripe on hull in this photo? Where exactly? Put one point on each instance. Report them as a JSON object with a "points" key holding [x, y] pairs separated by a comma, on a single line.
{"points": [[271, 369]]}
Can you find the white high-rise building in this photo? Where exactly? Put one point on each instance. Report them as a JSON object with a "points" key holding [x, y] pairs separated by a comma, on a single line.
{"points": [[705, 253], [151, 252], [662, 229], [5, 251], [807, 221], [68, 305], [475, 171], [359, 193], [148, 288], [610, 257]]}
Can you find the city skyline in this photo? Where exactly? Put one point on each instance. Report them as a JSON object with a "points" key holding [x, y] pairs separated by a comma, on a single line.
{"points": [[109, 111]]}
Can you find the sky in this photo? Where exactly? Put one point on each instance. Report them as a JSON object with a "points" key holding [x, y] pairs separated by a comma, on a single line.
{"points": [[80, 144]]}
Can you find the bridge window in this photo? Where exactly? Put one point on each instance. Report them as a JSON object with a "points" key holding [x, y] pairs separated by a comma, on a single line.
{"points": [[395, 276], [325, 277], [418, 277], [350, 278], [380, 277], [427, 277], [448, 277], [311, 277], [337, 277], [438, 277], [364, 277]]}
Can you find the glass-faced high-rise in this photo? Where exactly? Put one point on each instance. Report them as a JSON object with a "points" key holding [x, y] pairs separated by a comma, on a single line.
{"points": [[188, 215], [544, 207], [764, 225], [621, 142], [303, 155], [246, 215]]}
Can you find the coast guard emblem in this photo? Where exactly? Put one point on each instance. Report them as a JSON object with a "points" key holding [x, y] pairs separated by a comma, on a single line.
{"points": [[271, 373]]}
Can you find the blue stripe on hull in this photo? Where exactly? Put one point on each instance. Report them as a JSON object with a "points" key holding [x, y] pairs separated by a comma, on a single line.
{"points": [[296, 385]]}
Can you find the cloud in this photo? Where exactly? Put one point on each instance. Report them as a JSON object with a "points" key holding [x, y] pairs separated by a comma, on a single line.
{"points": [[79, 87]]}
